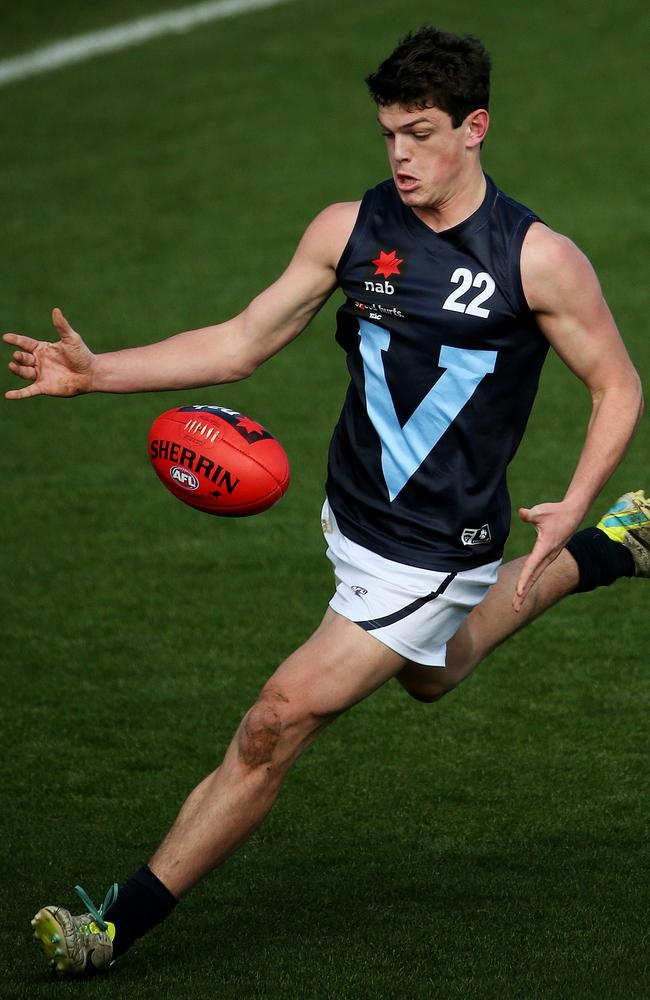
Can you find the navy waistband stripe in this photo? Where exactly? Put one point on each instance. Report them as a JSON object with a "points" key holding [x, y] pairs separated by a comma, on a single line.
{"points": [[397, 616]]}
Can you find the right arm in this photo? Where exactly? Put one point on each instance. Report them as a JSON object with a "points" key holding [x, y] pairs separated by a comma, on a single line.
{"points": [[226, 352]]}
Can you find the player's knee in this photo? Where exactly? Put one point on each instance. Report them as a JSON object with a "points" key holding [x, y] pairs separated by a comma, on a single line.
{"points": [[260, 732], [272, 729]]}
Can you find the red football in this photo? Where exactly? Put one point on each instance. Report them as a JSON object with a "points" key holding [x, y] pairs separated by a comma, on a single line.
{"points": [[218, 460]]}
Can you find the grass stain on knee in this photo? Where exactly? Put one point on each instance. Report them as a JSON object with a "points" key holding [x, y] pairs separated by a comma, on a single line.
{"points": [[259, 735]]}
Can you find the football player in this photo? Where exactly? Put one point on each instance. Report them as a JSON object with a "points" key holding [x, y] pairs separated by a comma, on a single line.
{"points": [[453, 293]]}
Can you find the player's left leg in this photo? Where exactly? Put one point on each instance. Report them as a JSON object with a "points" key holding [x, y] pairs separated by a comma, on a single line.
{"points": [[618, 546], [339, 665]]}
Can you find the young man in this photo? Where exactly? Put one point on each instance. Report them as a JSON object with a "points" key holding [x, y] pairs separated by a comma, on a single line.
{"points": [[453, 293]]}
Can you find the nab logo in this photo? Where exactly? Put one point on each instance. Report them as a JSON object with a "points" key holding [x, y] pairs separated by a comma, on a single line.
{"points": [[184, 477], [387, 265], [381, 287]]}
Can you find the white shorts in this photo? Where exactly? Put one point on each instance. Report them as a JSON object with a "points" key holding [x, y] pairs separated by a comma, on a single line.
{"points": [[413, 611]]}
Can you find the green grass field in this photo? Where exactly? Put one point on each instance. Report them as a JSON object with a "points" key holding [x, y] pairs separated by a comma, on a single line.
{"points": [[492, 846]]}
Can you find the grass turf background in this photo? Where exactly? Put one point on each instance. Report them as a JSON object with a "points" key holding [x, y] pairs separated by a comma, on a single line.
{"points": [[495, 845]]}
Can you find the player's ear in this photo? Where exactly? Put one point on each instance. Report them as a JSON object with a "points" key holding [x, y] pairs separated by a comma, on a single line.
{"points": [[476, 125]]}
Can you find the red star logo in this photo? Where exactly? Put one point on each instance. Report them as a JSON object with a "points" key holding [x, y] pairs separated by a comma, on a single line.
{"points": [[387, 263], [250, 426]]}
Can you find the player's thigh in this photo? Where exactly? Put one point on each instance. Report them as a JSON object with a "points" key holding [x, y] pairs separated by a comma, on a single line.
{"points": [[338, 666]]}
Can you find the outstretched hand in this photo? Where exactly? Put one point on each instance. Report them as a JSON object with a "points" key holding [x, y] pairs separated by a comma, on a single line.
{"points": [[554, 523], [62, 368]]}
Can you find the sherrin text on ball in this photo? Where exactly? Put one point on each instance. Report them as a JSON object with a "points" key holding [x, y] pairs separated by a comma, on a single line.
{"points": [[218, 460]]}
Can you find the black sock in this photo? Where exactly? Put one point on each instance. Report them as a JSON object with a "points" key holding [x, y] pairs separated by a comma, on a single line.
{"points": [[600, 560], [142, 903]]}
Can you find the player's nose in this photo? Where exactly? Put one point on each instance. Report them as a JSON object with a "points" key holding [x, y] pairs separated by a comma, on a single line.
{"points": [[402, 148]]}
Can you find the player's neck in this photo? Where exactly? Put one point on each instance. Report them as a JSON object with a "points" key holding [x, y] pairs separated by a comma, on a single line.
{"points": [[456, 205]]}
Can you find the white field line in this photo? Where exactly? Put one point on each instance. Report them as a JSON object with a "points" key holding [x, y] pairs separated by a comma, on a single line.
{"points": [[95, 43]]}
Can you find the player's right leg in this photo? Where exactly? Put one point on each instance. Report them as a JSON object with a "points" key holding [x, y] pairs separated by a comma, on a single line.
{"points": [[339, 665], [489, 624], [618, 546]]}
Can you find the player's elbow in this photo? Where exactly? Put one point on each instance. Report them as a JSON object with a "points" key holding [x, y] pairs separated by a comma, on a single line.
{"points": [[240, 369], [625, 390], [635, 394], [641, 400], [222, 374], [239, 359]]}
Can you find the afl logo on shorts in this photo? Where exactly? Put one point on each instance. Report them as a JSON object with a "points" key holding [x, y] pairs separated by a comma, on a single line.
{"points": [[184, 477]]}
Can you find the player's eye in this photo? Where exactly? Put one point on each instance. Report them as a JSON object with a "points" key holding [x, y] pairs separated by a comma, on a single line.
{"points": [[421, 135], [387, 135]]}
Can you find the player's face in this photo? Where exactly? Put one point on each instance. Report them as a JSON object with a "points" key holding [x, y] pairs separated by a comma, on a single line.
{"points": [[430, 159]]}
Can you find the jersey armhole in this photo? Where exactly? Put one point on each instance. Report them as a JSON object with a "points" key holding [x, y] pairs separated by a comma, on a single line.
{"points": [[514, 261], [360, 225]]}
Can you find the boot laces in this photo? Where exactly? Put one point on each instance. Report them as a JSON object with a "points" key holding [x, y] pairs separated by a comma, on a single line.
{"points": [[96, 912]]}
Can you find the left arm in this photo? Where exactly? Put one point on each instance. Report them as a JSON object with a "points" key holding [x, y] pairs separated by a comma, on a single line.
{"points": [[562, 290]]}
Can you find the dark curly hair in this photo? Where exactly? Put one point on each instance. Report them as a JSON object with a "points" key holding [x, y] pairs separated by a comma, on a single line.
{"points": [[433, 68]]}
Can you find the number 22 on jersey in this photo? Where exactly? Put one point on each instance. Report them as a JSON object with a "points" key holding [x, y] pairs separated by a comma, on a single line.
{"points": [[404, 448], [466, 280]]}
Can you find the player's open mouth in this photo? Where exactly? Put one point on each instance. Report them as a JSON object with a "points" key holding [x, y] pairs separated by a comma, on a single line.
{"points": [[405, 182]]}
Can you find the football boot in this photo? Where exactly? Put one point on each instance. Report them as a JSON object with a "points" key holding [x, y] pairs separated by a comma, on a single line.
{"points": [[77, 945], [628, 522]]}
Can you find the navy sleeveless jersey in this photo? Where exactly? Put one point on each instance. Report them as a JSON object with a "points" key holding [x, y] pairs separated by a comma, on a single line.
{"points": [[444, 358]]}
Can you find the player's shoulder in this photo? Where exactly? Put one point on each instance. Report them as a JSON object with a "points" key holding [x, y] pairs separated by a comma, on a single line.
{"points": [[548, 251], [328, 233], [337, 219], [551, 261]]}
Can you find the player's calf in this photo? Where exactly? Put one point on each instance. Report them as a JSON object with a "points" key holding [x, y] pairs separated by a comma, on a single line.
{"points": [[431, 683], [427, 684]]}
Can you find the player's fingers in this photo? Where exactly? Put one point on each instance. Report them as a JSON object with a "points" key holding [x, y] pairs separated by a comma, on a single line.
{"points": [[530, 574], [23, 371], [521, 593], [65, 331], [521, 590], [18, 340], [29, 390], [24, 357], [525, 577], [531, 515]]}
